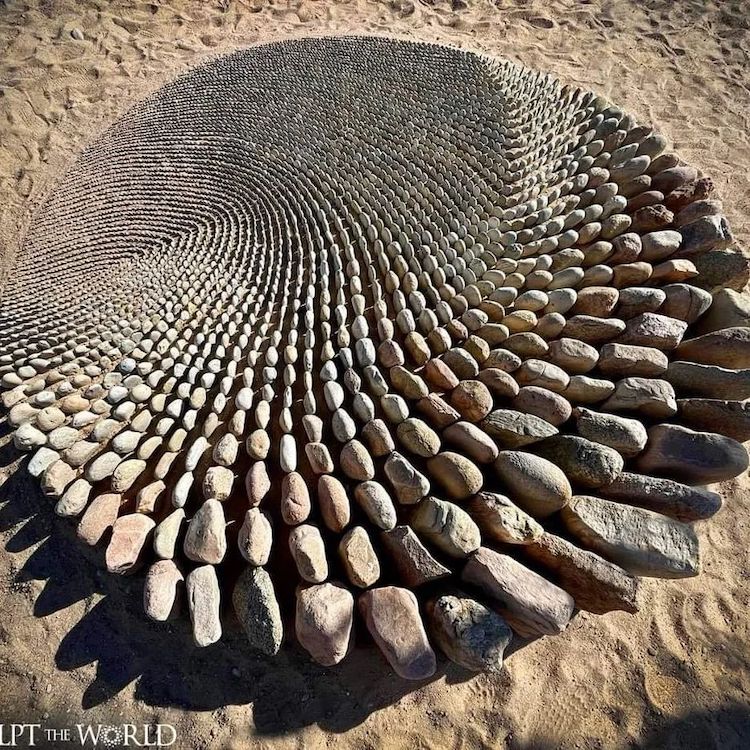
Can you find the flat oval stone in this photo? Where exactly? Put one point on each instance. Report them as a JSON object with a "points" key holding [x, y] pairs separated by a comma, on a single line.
{"points": [[626, 360], [472, 441], [166, 533], [356, 461], [257, 609], [375, 501], [728, 347], [539, 486], [472, 399], [447, 526], [204, 600], [160, 590], [309, 553], [691, 456], [324, 621], [418, 437], [129, 535], [653, 397], [573, 356], [409, 484], [584, 462], [459, 477], [392, 617], [513, 430], [100, 515], [641, 541], [531, 604], [548, 405], [627, 436], [359, 558], [295, 499], [333, 502], [653, 330]]}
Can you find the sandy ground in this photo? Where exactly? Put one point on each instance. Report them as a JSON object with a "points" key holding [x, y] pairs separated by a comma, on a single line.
{"points": [[73, 647]]}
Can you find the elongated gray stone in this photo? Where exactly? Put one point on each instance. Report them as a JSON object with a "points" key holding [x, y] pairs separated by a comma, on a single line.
{"points": [[641, 541], [204, 599], [447, 526], [513, 430], [584, 462], [531, 604], [257, 609]]}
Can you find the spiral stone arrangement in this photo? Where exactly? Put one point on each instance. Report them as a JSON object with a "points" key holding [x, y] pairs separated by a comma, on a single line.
{"points": [[358, 334]]}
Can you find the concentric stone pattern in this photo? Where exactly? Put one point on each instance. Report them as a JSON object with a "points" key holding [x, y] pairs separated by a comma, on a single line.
{"points": [[358, 334]]}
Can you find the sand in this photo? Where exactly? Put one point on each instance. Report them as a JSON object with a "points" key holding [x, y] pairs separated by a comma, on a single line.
{"points": [[73, 646]]}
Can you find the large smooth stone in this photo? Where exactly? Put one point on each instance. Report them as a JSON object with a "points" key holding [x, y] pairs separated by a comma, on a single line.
{"points": [[729, 347], [458, 476], [309, 553], [641, 541], [596, 585], [664, 496], [324, 622], [472, 441], [711, 381], [160, 589], [204, 599], [257, 609], [513, 430], [206, 539], [653, 330], [447, 526], [649, 396], [414, 563], [129, 536], [693, 457], [626, 360], [627, 436], [584, 462], [730, 418], [392, 617], [539, 486], [469, 634], [358, 557], [531, 604], [500, 519]]}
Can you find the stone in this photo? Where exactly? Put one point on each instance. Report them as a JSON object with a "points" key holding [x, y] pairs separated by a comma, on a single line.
{"points": [[636, 300], [257, 483], [595, 584], [472, 399], [27, 437], [631, 274], [469, 634], [358, 558], [532, 605], [148, 497], [584, 462], [500, 519], [439, 375], [129, 535], [651, 218], [688, 193], [704, 234], [693, 379], [471, 441], [659, 245], [408, 384], [324, 622], [255, 537], [333, 502], [585, 390], [641, 541], [375, 501], [573, 356], [166, 533], [414, 563], [463, 365], [503, 360], [722, 268], [691, 456], [100, 515], [356, 462], [391, 614], [102, 466], [626, 360], [653, 330], [438, 412], [650, 396], [217, 483], [295, 499], [447, 526], [75, 499], [627, 436], [418, 437], [670, 179], [204, 599], [160, 590], [409, 484], [543, 375], [549, 406], [728, 347], [665, 496], [730, 418], [309, 553], [378, 438], [625, 248], [727, 308], [499, 382], [512, 429], [697, 209], [56, 478], [456, 474], [527, 344], [599, 301], [206, 540], [319, 458], [536, 484], [257, 609], [593, 330]]}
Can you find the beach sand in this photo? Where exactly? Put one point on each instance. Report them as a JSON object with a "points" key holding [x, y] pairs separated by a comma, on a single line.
{"points": [[74, 647]]}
